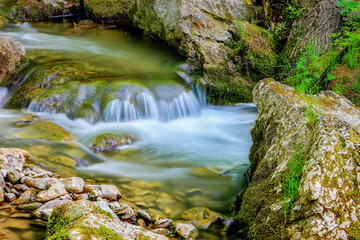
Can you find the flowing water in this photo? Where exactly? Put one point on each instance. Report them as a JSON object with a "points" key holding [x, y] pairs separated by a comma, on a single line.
{"points": [[184, 152]]}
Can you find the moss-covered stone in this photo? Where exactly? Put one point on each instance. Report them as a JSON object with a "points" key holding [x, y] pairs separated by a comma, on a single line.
{"points": [[109, 11], [109, 142], [328, 187], [34, 10]]}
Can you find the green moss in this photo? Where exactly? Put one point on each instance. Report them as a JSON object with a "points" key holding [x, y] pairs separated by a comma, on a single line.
{"points": [[33, 10], [142, 237], [44, 130], [113, 11], [354, 231], [102, 232]]}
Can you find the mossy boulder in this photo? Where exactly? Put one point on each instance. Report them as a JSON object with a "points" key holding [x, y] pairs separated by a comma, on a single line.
{"points": [[109, 11], [203, 218], [43, 10], [322, 133], [110, 142], [83, 219]]}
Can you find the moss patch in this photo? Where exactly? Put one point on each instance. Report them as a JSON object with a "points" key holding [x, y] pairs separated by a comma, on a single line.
{"points": [[46, 131], [110, 11]]}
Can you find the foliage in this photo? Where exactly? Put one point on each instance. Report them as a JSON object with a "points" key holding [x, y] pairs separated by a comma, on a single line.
{"points": [[291, 181], [294, 10]]}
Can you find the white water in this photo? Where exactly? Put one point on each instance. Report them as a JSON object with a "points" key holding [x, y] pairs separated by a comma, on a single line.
{"points": [[3, 96]]}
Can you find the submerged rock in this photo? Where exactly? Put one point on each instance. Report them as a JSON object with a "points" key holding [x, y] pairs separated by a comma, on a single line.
{"points": [[320, 135], [45, 130], [109, 142], [12, 56], [186, 231], [203, 218]]}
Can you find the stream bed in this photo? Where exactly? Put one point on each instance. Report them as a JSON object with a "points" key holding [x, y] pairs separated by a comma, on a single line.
{"points": [[184, 153]]}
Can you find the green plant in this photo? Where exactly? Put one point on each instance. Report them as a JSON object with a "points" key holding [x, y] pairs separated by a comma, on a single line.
{"points": [[291, 181], [294, 10]]}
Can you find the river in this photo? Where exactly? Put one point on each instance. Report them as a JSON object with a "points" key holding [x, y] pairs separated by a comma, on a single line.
{"points": [[184, 153]]}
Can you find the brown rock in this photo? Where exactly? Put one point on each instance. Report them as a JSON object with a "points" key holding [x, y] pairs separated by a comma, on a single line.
{"points": [[27, 196], [73, 184], [55, 191], [110, 192]]}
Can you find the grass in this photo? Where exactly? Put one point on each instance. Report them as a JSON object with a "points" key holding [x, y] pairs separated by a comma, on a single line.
{"points": [[291, 181]]}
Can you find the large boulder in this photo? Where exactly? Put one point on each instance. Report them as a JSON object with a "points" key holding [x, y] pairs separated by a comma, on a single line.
{"points": [[43, 10], [81, 219], [314, 141], [201, 31], [12, 56]]}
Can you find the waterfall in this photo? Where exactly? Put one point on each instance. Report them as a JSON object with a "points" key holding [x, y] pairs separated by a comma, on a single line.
{"points": [[125, 104], [146, 107]]}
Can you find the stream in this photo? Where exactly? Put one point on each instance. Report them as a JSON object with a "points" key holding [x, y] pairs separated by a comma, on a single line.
{"points": [[184, 152]]}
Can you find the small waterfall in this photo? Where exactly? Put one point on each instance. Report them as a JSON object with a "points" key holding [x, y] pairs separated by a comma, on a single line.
{"points": [[146, 107], [128, 103], [3, 96]]}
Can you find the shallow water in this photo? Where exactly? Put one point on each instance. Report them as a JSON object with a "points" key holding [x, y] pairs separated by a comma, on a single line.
{"points": [[196, 158]]}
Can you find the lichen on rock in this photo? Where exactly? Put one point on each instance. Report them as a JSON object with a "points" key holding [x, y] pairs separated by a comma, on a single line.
{"points": [[327, 203]]}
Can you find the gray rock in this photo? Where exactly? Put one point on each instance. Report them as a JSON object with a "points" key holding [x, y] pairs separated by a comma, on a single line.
{"points": [[55, 191], [144, 215], [104, 206], [29, 207], [126, 212], [163, 223], [10, 197], [186, 231], [45, 210], [13, 175], [95, 194], [110, 192], [73, 184], [39, 183], [27, 196]]}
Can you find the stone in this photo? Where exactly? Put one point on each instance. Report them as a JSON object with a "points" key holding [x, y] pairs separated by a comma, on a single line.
{"points": [[105, 207], [82, 196], [29, 207], [186, 231], [55, 191], [85, 214], [21, 187], [12, 55], [40, 183], [27, 196], [321, 134], [162, 231], [88, 188], [203, 218], [10, 197], [141, 222], [45, 210], [95, 194], [73, 184], [126, 213], [110, 192], [144, 215], [109, 142], [163, 223], [13, 175]]}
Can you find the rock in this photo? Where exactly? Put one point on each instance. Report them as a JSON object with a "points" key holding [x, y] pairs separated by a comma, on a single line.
{"points": [[13, 175], [11, 58], [86, 215], [29, 207], [141, 222], [55, 191], [27, 196], [95, 194], [109, 142], [82, 196], [12, 158], [203, 218], [10, 197], [48, 131], [163, 223], [2, 197], [201, 31], [162, 231], [40, 183], [109, 12], [126, 213], [144, 215], [45, 210], [326, 204], [186, 231], [43, 10], [88, 188], [73, 184], [21, 187], [105, 207], [110, 192]]}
